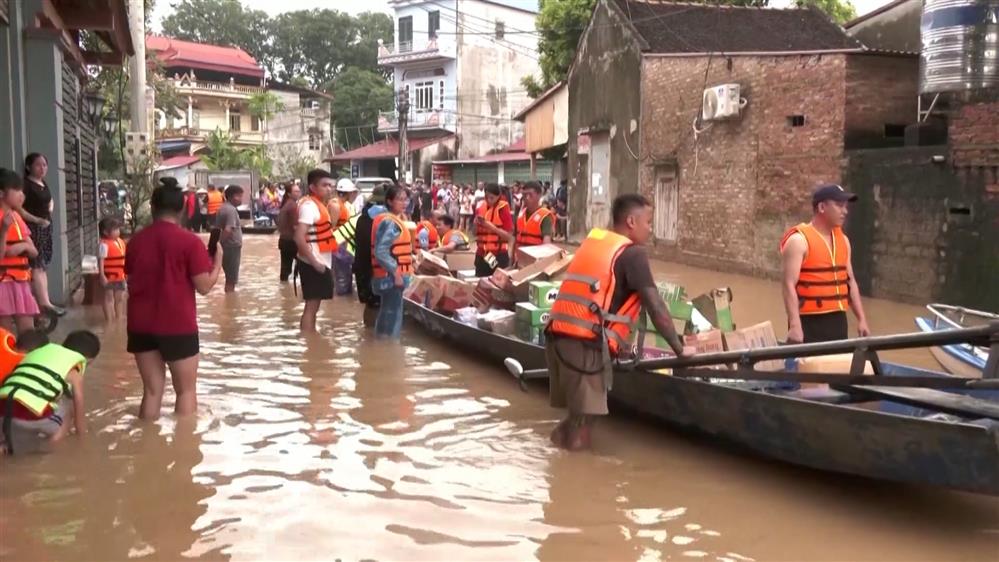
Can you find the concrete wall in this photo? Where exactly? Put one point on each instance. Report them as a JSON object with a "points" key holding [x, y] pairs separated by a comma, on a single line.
{"points": [[489, 74], [287, 132], [604, 93], [419, 11], [920, 232], [880, 91], [742, 182]]}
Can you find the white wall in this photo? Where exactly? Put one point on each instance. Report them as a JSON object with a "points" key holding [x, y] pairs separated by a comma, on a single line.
{"points": [[489, 75], [288, 131]]}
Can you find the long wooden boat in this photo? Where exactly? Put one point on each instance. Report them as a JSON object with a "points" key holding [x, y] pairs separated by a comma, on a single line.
{"points": [[963, 360], [832, 431]]}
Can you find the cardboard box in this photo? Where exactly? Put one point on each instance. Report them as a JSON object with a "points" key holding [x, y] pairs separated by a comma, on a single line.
{"points": [[455, 294], [548, 253], [460, 261], [715, 306], [671, 291], [487, 295], [542, 293], [755, 337], [531, 314], [468, 316], [425, 290], [706, 342], [466, 274], [431, 264], [517, 281], [530, 334], [658, 353], [502, 322], [556, 270]]}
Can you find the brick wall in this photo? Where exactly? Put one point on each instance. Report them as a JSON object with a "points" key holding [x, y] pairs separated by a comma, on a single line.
{"points": [[880, 90], [743, 182], [974, 134]]}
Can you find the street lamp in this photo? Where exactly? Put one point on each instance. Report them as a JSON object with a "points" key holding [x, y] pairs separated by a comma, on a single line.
{"points": [[110, 123], [93, 103]]}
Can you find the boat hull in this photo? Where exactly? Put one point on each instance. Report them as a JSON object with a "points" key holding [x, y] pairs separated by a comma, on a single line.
{"points": [[955, 359], [837, 438]]}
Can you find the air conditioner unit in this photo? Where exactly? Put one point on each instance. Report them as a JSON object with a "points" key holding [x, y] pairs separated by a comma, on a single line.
{"points": [[721, 102]]}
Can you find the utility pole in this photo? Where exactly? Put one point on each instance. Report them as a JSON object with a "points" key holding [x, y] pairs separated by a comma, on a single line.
{"points": [[403, 108], [137, 66]]}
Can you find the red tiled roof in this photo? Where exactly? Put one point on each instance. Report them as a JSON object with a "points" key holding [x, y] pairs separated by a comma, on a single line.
{"points": [[514, 153], [178, 162], [175, 52], [385, 148]]}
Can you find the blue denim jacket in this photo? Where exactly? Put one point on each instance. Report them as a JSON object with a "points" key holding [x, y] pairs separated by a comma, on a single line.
{"points": [[384, 237]]}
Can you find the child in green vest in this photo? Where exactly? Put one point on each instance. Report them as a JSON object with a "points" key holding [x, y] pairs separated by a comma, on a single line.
{"points": [[46, 388]]}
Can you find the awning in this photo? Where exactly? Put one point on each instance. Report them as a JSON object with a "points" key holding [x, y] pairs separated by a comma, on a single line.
{"points": [[386, 148], [177, 162]]}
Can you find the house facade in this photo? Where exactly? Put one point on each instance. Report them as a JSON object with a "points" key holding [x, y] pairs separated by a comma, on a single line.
{"points": [[47, 109], [461, 62]]}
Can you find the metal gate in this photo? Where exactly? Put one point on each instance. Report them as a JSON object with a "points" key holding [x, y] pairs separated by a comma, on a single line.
{"points": [[667, 203]]}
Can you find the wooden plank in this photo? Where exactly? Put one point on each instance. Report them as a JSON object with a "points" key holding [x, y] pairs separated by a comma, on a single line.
{"points": [[946, 402]]}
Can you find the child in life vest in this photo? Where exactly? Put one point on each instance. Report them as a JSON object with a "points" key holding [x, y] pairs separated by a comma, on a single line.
{"points": [[12, 349], [17, 303], [44, 391], [111, 267]]}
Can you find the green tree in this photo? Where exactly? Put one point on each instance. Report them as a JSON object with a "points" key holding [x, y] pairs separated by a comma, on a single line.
{"points": [[222, 22], [560, 24], [313, 44], [223, 154], [263, 106], [358, 96], [841, 11]]}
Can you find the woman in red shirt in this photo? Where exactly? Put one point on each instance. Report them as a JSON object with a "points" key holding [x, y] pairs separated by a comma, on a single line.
{"points": [[165, 265]]}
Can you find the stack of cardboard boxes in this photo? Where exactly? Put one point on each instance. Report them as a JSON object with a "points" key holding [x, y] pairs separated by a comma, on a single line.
{"points": [[533, 315]]}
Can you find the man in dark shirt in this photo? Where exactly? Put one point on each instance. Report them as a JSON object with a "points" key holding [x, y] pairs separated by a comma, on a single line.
{"points": [[579, 361], [362, 256]]}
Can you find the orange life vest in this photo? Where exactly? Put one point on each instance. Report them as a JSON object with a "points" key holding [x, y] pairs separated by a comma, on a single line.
{"points": [[823, 284], [15, 268], [457, 236], [321, 233], [529, 228], [486, 240], [433, 237], [402, 248], [344, 213], [582, 307], [9, 355], [114, 263], [214, 202]]}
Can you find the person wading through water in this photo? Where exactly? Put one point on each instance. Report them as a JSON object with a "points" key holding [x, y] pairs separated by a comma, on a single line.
{"points": [[606, 286], [819, 285]]}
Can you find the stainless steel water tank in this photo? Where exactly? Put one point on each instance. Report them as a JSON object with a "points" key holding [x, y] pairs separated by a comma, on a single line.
{"points": [[960, 45]]}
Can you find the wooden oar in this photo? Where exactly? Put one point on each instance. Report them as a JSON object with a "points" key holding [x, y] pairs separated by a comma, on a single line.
{"points": [[932, 382]]}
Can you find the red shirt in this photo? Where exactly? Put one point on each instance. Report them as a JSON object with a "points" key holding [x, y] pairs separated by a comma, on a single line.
{"points": [[507, 217], [160, 261]]}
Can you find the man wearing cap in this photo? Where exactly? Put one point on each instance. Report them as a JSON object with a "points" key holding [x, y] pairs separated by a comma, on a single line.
{"points": [[819, 285], [362, 253]]}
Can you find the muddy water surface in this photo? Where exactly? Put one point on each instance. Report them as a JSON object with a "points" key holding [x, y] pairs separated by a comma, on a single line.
{"points": [[339, 446]]}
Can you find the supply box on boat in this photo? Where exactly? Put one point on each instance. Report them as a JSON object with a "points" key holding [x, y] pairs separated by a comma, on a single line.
{"points": [[431, 264], [460, 261], [542, 293], [500, 322], [716, 307], [546, 253], [756, 336], [531, 322]]}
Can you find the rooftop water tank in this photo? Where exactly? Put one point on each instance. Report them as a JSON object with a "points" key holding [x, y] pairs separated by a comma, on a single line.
{"points": [[960, 45]]}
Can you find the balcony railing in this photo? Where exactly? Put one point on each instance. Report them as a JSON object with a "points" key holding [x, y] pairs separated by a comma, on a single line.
{"points": [[419, 119], [195, 133], [410, 50], [227, 88]]}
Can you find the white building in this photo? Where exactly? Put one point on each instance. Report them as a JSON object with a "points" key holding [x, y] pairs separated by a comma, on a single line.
{"points": [[462, 62]]}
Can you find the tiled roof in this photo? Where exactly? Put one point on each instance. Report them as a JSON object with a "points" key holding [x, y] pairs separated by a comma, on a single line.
{"points": [[175, 52], [386, 148], [178, 162], [674, 27]]}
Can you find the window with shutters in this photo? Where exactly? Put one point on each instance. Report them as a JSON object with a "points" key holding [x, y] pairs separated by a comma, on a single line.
{"points": [[433, 23], [667, 201], [406, 34], [234, 119], [424, 98]]}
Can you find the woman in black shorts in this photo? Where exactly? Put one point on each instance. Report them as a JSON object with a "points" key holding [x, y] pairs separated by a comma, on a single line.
{"points": [[37, 212]]}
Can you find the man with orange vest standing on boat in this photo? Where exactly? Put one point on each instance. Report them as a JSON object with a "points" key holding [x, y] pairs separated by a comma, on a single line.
{"points": [[493, 233], [427, 235], [606, 286], [819, 285], [535, 224], [316, 245]]}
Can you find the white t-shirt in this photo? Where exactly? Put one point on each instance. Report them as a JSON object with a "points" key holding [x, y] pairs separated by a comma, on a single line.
{"points": [[308, 213]]}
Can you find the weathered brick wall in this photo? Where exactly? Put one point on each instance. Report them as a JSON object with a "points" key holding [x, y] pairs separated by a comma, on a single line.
{"points": [[880, 90], [974, 134], [743, 182]]}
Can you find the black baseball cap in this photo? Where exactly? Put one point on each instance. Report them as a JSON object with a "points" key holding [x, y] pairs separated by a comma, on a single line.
{"points": [[832, 192]]}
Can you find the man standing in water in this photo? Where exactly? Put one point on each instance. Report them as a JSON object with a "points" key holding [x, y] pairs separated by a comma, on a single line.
{"points": [[606, 286], [362, 255], [232, 235], [819, 284], [316, 244]]}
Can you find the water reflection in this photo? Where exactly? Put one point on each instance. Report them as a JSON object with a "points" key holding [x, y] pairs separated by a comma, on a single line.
{"points": [[338, 446]]}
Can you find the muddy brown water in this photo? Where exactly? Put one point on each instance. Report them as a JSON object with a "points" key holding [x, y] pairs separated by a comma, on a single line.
{"points": [[339, 446]]}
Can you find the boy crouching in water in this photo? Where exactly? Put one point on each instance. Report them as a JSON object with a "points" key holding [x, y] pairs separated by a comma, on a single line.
{"points": [[111, 266], [45, 388]]}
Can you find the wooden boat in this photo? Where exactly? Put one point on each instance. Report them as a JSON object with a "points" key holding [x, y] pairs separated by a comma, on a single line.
{"points": [[962, 360], [827, 430]]}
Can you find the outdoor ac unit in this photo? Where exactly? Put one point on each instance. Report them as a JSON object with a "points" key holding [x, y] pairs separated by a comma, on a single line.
{"points": [[721, 102]]}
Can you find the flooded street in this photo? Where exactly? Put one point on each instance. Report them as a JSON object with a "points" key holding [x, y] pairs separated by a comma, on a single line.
{"points": [[342, 447]]}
